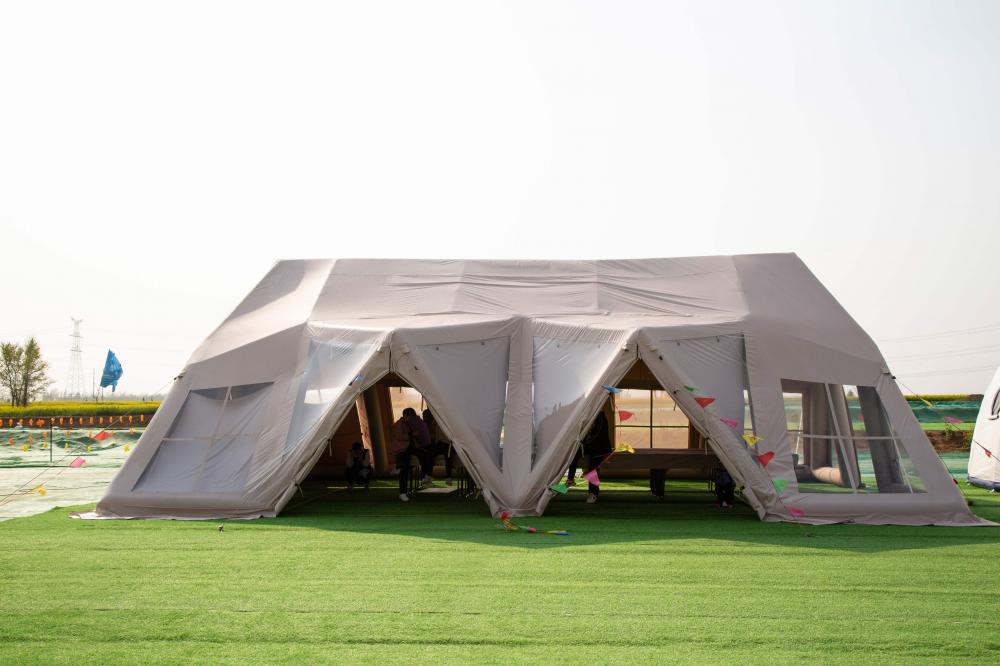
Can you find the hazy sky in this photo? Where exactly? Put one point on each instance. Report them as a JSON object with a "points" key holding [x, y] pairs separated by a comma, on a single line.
{"points": [[156, 160]]}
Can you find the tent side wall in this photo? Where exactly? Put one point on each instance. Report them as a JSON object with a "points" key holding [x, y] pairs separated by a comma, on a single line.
{"points": [[984, 454]]}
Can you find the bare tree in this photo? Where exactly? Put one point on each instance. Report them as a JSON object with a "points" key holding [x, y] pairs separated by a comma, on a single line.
{"points": [[23, 371]]}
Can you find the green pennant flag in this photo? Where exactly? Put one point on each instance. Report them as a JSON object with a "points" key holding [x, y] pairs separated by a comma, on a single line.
{"points": [[560, 488], [691, 388], [779, 484]]}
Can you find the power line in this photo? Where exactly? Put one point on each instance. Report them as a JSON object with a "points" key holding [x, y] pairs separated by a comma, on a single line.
{"points": [[945, 334], [953, 371], [957, 352]]}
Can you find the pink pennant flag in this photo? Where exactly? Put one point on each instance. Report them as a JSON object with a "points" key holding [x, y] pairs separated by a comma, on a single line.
{"points": [[729, 422], [796, 512], [625, 415], [952, 420], [765, 458], [592, 477], [704, 402], [78, 462]]}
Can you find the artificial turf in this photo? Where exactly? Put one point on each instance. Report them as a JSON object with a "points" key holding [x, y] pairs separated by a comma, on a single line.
{"points": [[360, 577]]}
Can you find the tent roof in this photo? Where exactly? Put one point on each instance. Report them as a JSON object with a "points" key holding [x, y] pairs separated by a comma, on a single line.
{"points": [[776, 291]]}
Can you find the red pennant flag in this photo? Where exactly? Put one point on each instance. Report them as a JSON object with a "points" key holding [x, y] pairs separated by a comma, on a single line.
{"points": [[765, 458], [624, 415], [796, 512], [704, 402], [101, 436]]}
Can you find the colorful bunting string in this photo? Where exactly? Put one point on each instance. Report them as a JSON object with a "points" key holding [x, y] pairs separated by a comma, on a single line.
{"points": [[511, 526]]}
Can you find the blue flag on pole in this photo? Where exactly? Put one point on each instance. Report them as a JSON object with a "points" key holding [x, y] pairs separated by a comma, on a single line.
{"points": [[112, 372]]}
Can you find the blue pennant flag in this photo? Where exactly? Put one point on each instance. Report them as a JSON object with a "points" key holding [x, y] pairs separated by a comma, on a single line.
{"points": [[112, 372]]}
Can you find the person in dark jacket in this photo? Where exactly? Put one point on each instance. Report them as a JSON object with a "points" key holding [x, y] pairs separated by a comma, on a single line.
{"points": [[409, 438], [358, 466], [440, 445], [597, 446], [725, 488]]}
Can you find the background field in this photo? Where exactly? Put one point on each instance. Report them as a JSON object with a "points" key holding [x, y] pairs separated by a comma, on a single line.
{"points": [[361, 578]]}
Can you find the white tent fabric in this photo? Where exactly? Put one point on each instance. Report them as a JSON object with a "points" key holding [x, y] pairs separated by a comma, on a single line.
{"points": [[513, 357], [984, 455]]}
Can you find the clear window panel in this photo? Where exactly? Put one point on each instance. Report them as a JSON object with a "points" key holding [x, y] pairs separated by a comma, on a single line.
{"points": [[403, 397], [633, 404], [842, 441], [637, 438], [174, 468], [670, 438], [666, 412]]}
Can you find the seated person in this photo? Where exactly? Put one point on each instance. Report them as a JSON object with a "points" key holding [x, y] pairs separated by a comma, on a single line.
{"points": [[409, 438], [440, 446], [358, 466]]}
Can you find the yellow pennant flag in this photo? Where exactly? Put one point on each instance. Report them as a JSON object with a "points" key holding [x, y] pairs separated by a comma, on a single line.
{"points": [[126, 448], [44, 444], [751, 439], [40, 490], [24, 448], [625, 448]]}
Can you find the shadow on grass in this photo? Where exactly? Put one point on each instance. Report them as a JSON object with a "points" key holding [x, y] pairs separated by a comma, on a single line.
{"points": [[625, 514]]}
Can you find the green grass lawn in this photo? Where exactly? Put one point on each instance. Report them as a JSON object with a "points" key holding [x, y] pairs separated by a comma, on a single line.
{"points": [[360, 577]]}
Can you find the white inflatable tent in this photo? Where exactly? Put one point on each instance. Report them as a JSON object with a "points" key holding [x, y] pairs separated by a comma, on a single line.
{"points": [[513, 357], [984, 465]]}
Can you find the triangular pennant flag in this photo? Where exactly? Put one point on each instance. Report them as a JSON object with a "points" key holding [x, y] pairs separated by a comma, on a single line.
{"points": [[779, 484], [126, 448], [592, 477], [560, 488], [24, 448], [729, 422], [691, 388], [796, 512], [928, 403], [78, 462], [625, 415], [765, 458], [624, 448], [40, 490], [751, 439], [704, 402], [101, 435], [952, 420], [611, 389]]}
